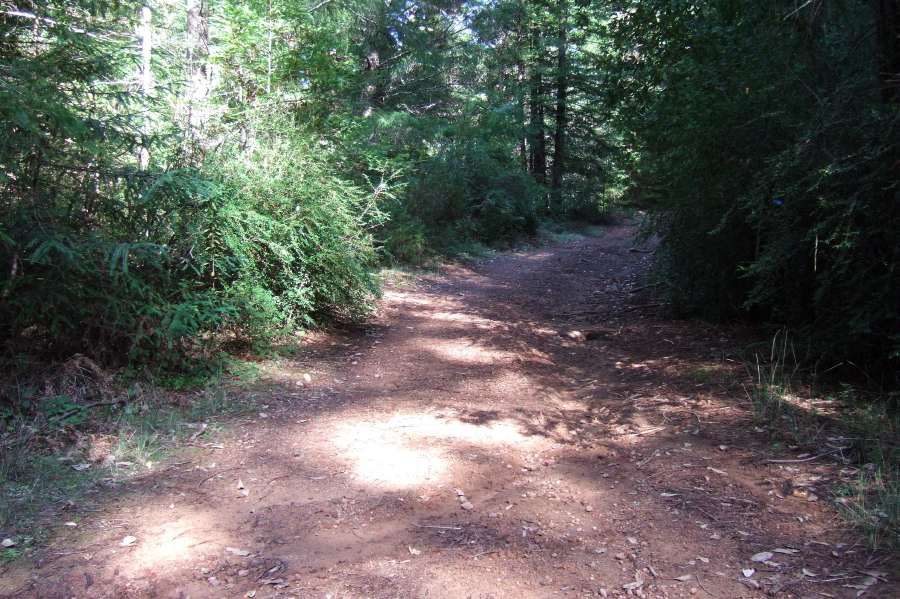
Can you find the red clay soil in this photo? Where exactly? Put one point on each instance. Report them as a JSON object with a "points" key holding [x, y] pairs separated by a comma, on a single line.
{"points": [[523, 427]]}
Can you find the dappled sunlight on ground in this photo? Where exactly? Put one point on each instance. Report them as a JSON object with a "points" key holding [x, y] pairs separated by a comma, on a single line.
{"points": [[410, 449], [483, 437]]}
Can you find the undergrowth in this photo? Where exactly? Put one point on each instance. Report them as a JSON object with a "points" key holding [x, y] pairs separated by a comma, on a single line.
{"points": [[51, 465], [858, 427]]}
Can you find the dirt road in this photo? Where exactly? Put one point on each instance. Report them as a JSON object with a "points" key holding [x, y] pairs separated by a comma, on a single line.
{"points": [[525, 427]]}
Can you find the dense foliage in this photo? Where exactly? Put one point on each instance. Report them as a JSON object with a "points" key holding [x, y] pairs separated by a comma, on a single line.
{"points": [[179, 175], [768, 136]]}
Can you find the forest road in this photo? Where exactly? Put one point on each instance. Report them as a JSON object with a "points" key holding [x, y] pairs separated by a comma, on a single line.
{"points": [[524, 427]]}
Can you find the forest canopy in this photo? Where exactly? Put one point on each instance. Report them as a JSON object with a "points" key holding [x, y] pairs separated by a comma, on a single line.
{"points": [[177, 179]]}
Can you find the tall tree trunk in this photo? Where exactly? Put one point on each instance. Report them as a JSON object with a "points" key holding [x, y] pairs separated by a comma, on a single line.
{"points": [[887, 28], [537, 155], [520, 78], [562, 87], [197, 65], [146, 33]]}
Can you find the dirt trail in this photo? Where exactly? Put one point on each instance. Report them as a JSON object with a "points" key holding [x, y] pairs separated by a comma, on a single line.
{"points": [[525, 427]]}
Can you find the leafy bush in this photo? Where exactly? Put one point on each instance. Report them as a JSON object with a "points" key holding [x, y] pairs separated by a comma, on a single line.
{"points": [[764, 135]]}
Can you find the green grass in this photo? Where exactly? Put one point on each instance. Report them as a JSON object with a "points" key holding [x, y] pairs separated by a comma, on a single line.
{"points": [[45, 474], [858, 426]]}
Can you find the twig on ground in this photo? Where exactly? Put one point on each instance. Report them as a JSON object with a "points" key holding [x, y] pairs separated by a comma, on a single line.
{"points": [[704, 588], [800, 461]]}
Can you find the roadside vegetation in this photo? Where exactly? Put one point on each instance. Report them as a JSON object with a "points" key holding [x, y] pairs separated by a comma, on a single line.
{"points": [[187, 189]]}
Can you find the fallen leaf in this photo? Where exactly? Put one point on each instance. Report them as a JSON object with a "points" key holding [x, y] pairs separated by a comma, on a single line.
{"points": [[684, 578], [807, 572], [717, 471], [787, 551], [633, 585], [238, 552], [414, 551], [127, 542], [81, 466], [762, 556]]}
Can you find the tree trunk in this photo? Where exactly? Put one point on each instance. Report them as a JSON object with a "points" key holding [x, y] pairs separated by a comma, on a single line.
{"points": [[887, 28], [537, 155], [146, 82], [562, 85], [197, 63]]}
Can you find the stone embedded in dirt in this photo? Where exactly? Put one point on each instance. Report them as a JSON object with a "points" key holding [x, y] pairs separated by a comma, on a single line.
{"points": [[493, 515], [237, 552], [467, 506], [620, 556], [684, 578], [589, 508], [546, 582], [762, 556], [8, 543]]}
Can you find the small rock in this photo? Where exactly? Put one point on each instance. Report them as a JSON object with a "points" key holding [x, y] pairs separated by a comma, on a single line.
{"points": [[213, 581], [467, 506], [546, 582], [493, 515], [8, 543], [812, 497], [693, 591], [243, 573], [603, 593], [589, 508], [620, 556]]}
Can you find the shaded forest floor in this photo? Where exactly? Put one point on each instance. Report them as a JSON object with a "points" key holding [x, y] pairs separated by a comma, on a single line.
{"points": [[526, 426]]}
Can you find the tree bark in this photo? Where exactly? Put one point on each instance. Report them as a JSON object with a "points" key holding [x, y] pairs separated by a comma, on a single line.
{"points": [[197, 63], [887, 28], [562, 88], [537, 155]]}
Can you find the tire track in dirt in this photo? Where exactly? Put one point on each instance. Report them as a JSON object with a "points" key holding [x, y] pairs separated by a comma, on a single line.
{"points": [[522, 427]]}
